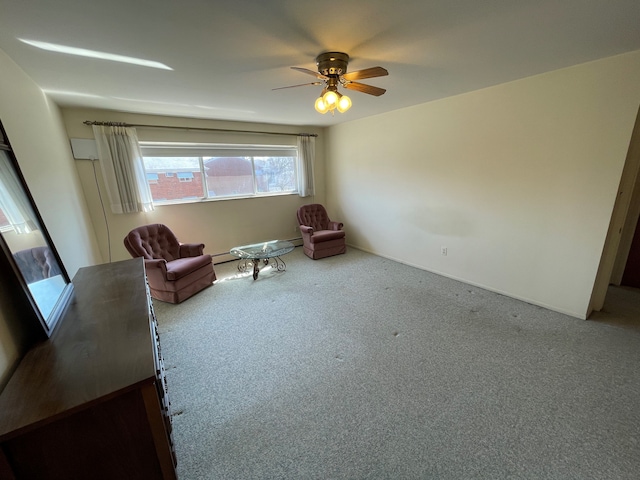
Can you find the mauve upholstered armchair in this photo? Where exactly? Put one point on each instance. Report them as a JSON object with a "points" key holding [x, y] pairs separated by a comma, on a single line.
{"points": [[175, 271], [321, 237]]}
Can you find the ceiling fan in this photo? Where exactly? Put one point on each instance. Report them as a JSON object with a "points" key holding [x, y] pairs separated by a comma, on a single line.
{"points": [[332, 71]]}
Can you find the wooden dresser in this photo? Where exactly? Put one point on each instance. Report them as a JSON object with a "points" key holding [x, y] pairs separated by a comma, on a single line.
{"points": [[91, 402]]}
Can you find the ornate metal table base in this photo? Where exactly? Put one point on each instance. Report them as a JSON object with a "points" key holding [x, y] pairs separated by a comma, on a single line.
{"points": [[254, 263], [268, 252]]}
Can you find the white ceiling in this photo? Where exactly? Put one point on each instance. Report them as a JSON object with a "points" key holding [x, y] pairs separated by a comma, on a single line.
{"points": [[227, 56]]}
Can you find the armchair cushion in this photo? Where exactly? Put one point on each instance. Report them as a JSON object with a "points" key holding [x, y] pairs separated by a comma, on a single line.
{"points": [[326, 235], [181, 267]]}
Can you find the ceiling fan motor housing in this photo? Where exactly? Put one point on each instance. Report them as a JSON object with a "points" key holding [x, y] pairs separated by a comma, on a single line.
{"points": [[332, 63]]}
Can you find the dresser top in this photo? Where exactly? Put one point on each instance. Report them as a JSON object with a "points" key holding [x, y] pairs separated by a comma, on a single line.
{"points": [[103, 346]]}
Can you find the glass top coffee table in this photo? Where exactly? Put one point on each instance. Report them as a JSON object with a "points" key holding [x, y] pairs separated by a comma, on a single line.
{"points": [[265, 252]]}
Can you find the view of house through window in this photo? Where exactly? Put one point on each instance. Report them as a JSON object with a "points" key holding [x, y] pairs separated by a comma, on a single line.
{"points": [[179, 172]]}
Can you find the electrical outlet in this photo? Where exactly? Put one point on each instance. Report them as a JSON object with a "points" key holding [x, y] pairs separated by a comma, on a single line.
{"points": [[443, 251]]}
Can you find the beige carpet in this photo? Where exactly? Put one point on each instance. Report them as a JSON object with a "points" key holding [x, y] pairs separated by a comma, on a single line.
{"points": [[357, 367]]}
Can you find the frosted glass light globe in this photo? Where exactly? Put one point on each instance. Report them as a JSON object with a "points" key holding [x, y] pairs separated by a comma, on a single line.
{"points": [[344, 104], [321, 107], [330, 99]]}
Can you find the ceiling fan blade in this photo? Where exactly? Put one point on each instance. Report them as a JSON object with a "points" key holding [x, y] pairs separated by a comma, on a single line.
{"points": [[366, 73], [361, 87], [311, 72], [301, 85]]}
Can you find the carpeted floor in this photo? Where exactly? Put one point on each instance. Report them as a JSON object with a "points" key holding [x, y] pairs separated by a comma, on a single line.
{"points": [[357, 367]]}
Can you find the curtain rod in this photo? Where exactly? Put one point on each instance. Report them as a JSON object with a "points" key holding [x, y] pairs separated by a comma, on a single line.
{"points": [[122, 124]]}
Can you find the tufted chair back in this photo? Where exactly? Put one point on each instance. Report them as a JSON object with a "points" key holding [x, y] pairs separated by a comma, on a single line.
{"points": [[153, 242], [314, 215]]}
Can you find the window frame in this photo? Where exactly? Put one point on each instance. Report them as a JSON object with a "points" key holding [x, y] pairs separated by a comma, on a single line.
{"points": [[201, 151]]}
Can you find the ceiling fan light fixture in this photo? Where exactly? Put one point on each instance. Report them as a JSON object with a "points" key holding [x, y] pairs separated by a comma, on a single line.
{"points": [[344, 104], [330, 99], [332, 71], [321, 106]]}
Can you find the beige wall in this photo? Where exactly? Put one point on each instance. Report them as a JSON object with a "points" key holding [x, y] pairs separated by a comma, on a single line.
{"points": [[36, 133], [219, 224], [517, 181]]}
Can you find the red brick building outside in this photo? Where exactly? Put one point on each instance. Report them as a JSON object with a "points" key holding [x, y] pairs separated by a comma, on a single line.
{"points": [[183, 185], [224, 176]]}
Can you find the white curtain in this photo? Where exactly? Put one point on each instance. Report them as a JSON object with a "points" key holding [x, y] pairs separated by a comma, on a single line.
{"points": [[123, 169], [306, 159], [13, 201]]}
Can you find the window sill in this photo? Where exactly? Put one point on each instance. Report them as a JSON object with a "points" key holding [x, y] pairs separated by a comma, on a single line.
{"points": [[221, 199]]}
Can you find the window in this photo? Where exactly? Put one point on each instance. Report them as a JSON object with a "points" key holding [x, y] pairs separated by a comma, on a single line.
{"points": [[4, 222], [214, 171], [152, 178]]}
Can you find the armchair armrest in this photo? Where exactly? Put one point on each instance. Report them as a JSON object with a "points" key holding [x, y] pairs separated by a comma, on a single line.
{"points": [[335, 225], [156, 264], [191, 249], [306, 229]]}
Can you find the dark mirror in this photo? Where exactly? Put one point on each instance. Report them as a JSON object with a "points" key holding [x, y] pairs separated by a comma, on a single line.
{"points": [[27, 246]]}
